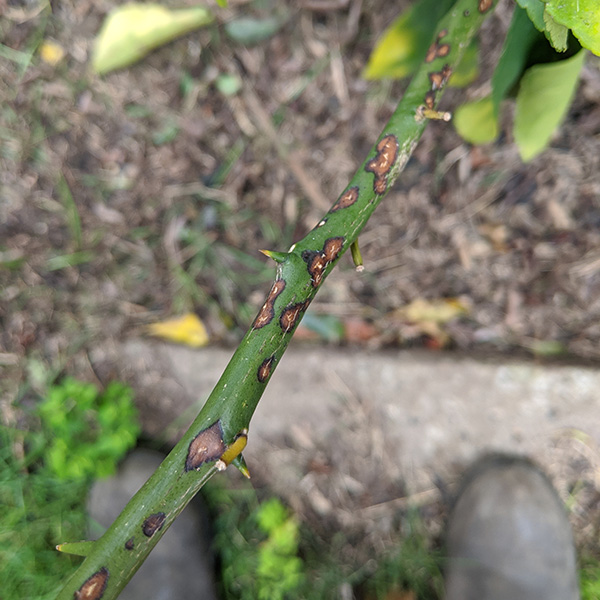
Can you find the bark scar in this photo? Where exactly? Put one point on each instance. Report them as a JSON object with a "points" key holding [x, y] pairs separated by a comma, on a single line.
{"points": [[264, 371], [153, 523], [485, 5], [93, 587], [318, 260], [291, 315], [381, 165], [348, 198], [207, 446], [267, 312], [437, 49]]}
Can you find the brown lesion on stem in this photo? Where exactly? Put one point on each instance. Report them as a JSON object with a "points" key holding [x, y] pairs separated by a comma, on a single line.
{"points": [[332, 248], [318, 260], [437, 49], [348, 198], [93, 587], [381, 165], [267, 312], [207, 446], [427, 110], [440, 78], [291, 315], [264, 371], [129, 544], [153, 523], [485, 5]]}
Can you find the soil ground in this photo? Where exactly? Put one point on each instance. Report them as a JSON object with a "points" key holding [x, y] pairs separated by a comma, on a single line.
{"points": [[134, 197]]}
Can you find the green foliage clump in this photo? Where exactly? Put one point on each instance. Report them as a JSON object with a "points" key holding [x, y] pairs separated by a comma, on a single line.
{"points": [[540, 65], [257, 545], [38, 511], [90, 432], [279, 568], [45, 477], [589, 579]]}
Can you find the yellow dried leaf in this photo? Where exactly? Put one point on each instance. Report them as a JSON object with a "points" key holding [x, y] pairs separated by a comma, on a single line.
{"points": [[187, 329], [132, 30], [434, 311], [51, 52]]}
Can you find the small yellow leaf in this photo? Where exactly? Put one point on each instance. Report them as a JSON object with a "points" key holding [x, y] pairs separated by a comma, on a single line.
{"points": [[134, 29], [434, 311], [51, 52], [187, 329]]}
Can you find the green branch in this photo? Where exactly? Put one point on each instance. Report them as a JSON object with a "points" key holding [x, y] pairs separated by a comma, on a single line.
{"points": [[218, 434]]}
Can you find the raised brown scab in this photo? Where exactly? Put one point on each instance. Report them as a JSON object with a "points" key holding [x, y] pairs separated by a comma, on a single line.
{"points": [[437, 50], [129, 544], [291, 314], [264, 371], [267, 312], [380, 166], [443, 50], [153, 523], [207, 446], [348, 198], [485, 5], [93, 587], [430, 99], [317, 260], [440, 78], [332, 248], [316, 265]]}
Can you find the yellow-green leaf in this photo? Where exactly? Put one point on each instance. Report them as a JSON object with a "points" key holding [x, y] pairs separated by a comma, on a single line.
{"points": [[543, 99], [187, 329], [582, 16], [555, 32], [468, 68], [405, 42], [476, 122], [132, 30], [440, 310]]}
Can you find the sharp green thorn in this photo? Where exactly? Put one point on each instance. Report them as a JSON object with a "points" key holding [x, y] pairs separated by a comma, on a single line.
{"points": [[279, 257], [240, 464], [76, 548]]}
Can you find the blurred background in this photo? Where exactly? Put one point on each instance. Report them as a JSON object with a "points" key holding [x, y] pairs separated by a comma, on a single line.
{"points": [[133, 205]]}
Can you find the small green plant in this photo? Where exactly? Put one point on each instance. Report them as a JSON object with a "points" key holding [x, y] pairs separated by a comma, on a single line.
{"points": [[589, 579], [45, 476], [257, 544], [87, 432], [38, 511]]}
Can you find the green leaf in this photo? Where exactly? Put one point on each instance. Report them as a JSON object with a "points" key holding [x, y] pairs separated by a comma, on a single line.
{"points": [[519, 40], [404, 44], [228, 84], [476, 121], [556, 34], [582, 16], [544, 96], [535, 12], [248, 30], [468, 68], [132, 30]]}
